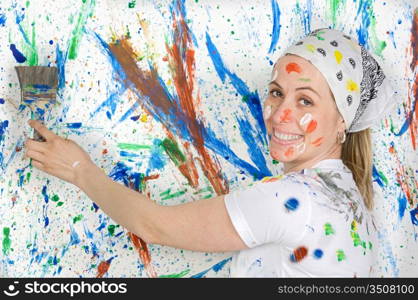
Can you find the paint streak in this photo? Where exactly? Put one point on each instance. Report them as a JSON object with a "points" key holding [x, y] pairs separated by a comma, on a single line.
{"points": [[357, 241], [334, 9], [103, 267], [6, 241], [299, 254], [289, 152], [305, 15], [293, 67], [86, 11], [216, 268], [286, 115], [20, 58], [379, 177], [3, 20], [276, 26], [144, 254], [271, 178], [318, 142], [311, 126], [29, 47], [414, 216], [178, 275], [304, 79]]}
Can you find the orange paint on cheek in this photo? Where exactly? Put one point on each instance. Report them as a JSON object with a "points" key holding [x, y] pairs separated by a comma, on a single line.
{"points": [[293, 67], [312, 126], [286, 115], [317, 142], [289, 152]]}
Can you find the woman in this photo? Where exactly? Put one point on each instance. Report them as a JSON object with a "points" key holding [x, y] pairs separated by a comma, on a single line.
{"points": [[313, 220]]}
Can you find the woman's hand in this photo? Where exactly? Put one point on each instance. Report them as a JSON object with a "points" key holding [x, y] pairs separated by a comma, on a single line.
{"points": [[57, 156]]}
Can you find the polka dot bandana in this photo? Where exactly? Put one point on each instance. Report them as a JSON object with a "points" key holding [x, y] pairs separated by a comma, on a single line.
{"points": [[360, 88]]}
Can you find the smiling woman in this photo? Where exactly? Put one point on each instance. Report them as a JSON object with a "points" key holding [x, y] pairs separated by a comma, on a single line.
{"points": [[311, 221]]}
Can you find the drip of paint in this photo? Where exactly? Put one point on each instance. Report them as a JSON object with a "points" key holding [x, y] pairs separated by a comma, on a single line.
{"points": [[305, 119], [300, 148], [293, 67], [267, 112], [6, 240], [299, 254]]}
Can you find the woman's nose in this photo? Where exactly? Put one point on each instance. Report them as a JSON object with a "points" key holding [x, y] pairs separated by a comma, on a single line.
{"points": [[282, 114]]}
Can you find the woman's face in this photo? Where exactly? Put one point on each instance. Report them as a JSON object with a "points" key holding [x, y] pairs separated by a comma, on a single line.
{"points": [[300, 113]]}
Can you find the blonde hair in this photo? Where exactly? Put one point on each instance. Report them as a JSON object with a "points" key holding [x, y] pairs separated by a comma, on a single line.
{"points": [[357, 156]]}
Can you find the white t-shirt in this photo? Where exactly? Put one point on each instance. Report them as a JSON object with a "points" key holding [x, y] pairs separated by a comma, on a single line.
{"points": [[311, 223]]}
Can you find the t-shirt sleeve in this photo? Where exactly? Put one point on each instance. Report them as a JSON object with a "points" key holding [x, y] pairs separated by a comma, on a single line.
{"points": [[270, 212]]}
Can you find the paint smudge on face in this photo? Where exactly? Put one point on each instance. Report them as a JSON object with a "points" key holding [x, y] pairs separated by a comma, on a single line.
{"points": [[338, 56], [305, 119], [293, 67], [275, 155], [328, 229], [267, 112], [289, 152], [304, 79], [291, 204], [301, 148], [286, 115], [340, 255], [299, 254], [311, 127], [317, 142], [318, 253]]}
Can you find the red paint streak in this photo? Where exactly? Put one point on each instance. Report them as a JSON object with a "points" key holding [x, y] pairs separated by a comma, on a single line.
{"points": [[300, 253], [317, 142], [414, 41], [18, 149], [151, 177], [289, 152], [143, 252], [286, 115], [104, 152], [312, 126], [102, 268], [293, 67], [412, 107]]}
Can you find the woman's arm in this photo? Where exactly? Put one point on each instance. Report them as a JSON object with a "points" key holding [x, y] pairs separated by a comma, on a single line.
{"points": [[202, 225]]}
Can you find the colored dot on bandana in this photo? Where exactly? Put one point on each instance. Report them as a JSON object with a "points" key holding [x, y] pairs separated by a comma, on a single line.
{"points": [[351, 86], [310, 48], [338, 56], [292, 204], [298, 254], [318, 253]]}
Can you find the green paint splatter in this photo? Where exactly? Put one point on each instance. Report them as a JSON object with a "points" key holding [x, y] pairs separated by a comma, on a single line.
{"points": [[77, 218], [55, 198], [6, 240], [29, 46], [378, 45], [340, 255], [111, 229], [335, 7], [304, 79], [275, 162], [86, 11], [132, 4], [381, 175], [178, 275], [60, 204], [173, 151], [328, 229], [132, 147], [167, 194]]}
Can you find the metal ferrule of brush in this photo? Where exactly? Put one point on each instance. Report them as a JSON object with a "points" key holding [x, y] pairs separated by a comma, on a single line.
{"points": [[38, 91]]}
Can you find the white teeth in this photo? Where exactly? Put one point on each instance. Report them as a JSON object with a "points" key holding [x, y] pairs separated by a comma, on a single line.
{"points": [[286, 137]]}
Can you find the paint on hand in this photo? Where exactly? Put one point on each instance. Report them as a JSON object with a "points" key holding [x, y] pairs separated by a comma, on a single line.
{"points": [[305, 119], [301, 148], [299, 254], [267, 112], [311, 127], [293, 67]]}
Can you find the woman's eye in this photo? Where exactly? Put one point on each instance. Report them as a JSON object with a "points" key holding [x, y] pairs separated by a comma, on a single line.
{"points": [[275, 93], [305, 102]]}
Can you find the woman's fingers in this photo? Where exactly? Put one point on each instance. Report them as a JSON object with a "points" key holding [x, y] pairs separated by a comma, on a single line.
{"points": [[36, 146], [39, 127], [38, 156]]}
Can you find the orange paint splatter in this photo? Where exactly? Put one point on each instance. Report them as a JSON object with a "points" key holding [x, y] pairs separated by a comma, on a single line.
{"points": [[144, 254], [293, 67], [317, 142], [289, 152], [286, 115], [271, 178], [104, 151], [312, 126], [102, 268], [299, 254]]}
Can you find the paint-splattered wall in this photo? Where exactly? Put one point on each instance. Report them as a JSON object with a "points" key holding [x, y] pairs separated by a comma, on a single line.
{"points": [[166, 96]]}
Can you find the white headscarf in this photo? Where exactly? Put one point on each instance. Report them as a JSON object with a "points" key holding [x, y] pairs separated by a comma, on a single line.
{"points": [[360, 88]]}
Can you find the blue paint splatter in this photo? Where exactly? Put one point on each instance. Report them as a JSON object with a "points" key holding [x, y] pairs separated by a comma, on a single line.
{"points": [[366, 16], [20, 58], [414, 215], [44, 193], [61, 59], [74, 239], [377, 177], [158, 159], [217, 267], [292, 204], [318, 253], [3, 20], [305, 16], [276, 26], [1, 101], [402, 205]]}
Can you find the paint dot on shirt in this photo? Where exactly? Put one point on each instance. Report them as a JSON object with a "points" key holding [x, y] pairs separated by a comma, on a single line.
{"points": [[293, 67], [340, 255], [328, 229], [299, 254], [292, 204], [318, 253]]}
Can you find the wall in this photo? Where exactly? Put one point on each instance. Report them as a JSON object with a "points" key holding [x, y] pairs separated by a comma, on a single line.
{"points": [[166, 97]]}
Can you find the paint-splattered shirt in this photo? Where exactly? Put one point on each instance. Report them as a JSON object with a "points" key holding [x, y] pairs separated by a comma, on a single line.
{"points": [[311, 223]]}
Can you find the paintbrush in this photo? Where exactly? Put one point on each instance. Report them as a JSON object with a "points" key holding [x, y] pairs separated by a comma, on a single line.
{"points": [[38, 91]]}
